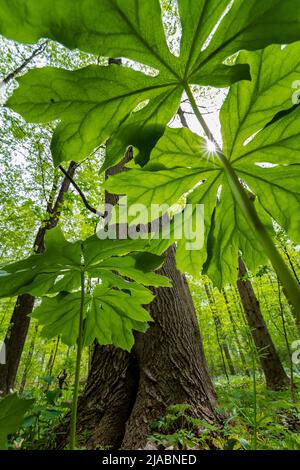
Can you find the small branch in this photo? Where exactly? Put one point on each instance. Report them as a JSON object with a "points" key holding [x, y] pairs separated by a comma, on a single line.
{"points": [[19, 69], [81, 194], [182, 117]]}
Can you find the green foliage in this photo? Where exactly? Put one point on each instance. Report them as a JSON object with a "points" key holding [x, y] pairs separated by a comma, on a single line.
{"points": [[178, 429], [112, 310], [277, 422], [96, 289], [181, 160], [12, 411], [74, 98]]}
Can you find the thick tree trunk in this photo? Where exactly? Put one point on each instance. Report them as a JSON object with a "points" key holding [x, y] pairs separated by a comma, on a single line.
{"points": [[276, 378], [125, 392], [19, 324], [172, 366]]}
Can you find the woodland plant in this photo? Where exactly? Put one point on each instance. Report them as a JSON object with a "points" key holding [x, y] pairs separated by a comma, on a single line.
{"points": [[81, 312], [212, 32], [247, 183]]}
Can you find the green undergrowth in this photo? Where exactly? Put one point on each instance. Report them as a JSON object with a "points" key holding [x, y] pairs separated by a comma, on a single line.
{"points": [[274, 426]]}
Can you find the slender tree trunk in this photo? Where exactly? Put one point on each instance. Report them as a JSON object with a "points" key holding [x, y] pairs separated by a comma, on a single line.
{"points": [[276, 378], [235, 331], [20, 320], [28, 360], [126, 392], [217, 332], [52, 359], [220, 333]]}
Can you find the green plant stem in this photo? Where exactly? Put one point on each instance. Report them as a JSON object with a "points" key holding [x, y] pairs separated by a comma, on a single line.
{"points": [[254, 446], [77, 370], [289, 283]]}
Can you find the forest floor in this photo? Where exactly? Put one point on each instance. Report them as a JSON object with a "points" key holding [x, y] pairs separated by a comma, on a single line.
{"points": [[256, 419]]}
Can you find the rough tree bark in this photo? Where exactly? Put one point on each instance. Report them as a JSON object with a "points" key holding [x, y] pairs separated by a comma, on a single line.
{"points": [[126, 392], [276, 378], [19, 324]]}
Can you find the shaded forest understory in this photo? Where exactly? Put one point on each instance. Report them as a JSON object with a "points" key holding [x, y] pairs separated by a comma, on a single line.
{"points": [[149, 343]]}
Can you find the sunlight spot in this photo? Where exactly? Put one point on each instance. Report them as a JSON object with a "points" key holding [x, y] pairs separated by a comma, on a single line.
{"points": [[210, 150], [211, 147]]}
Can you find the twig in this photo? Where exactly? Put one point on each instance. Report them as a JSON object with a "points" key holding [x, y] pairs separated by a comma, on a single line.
{"points": [[81, 194], [182, 117], [19, 69]]}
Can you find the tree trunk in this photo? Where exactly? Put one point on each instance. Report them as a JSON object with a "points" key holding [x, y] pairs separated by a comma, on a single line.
{"points": [[235, 331], [221, 337], [172, 366], [28, 361], [126, 392], [51, 362], [19, 324], [276, 378]]}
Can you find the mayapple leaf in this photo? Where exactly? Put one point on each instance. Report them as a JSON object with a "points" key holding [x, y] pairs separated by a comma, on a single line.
{"points": [[278, 192], [90, 103], [250, 106], [114, 314], [38, 274], [229, 234], [180, 149], [143, 128], [96, 250], [12, 411], [138, 267], [177, 164], [191, 261], [59, 316], [264, 153], [112, 311], [58, 268], [97, 102]]}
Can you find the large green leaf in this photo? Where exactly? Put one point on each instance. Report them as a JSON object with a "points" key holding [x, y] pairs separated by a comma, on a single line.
{"points": [[112, 310], [114, 314], [90, 103], [59, 268], [252, 105], [12, 411], [56, 269], [59, 316], [96, 102], [264, 153]]}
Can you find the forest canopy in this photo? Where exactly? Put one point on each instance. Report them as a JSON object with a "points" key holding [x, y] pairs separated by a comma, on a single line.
{"points": [[149, 277]]}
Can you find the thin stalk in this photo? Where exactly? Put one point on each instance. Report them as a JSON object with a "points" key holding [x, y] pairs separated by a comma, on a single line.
{"points": [[77, 370], [287, 343], [254, 446], [289, 283]]}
